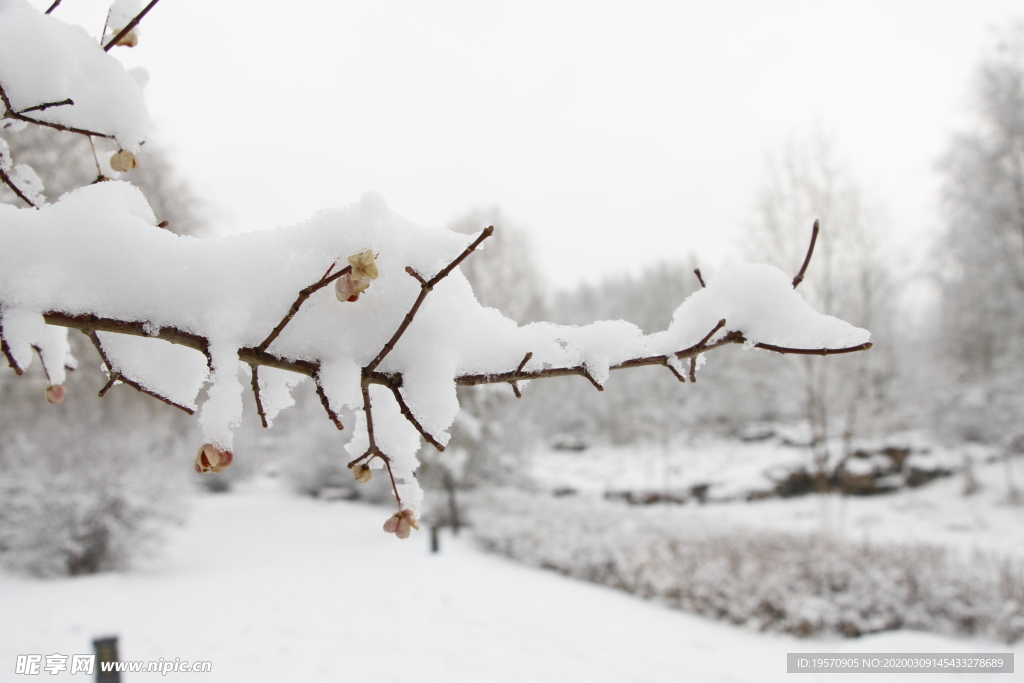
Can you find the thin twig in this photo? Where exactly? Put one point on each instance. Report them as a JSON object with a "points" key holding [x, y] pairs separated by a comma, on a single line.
{"points": [[425, 288], [259, 400], [42, 362], [131, 24], [53, 6], [9, 182], [326, 403], [693, 369], [409, 269], [675, 372], [586, 373], [394, 484], [116, 376], [8, 354], [304, 294], [700, 278], [807, 259], [408, 414], [815, 352], [47, 105], [10, 113], [522, 364], [106, 387]]}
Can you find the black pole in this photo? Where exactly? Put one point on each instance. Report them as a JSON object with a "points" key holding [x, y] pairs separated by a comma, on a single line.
{"points": [[106, 651]]}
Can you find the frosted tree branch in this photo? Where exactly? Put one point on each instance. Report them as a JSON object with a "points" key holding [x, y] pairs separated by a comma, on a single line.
{"points": [[131, 24]]}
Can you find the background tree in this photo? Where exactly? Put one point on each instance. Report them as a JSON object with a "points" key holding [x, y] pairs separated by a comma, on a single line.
{"points": [[981, 259], [840, 396]]}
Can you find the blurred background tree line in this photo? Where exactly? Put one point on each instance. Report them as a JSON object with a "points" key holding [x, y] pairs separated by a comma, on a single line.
{"points": [[84, 485]]}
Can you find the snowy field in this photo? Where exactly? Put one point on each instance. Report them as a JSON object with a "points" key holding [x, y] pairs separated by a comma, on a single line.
{"points": [[271, 587]]}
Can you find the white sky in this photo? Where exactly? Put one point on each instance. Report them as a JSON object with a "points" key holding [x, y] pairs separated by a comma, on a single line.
{"points": [[619, 133]]}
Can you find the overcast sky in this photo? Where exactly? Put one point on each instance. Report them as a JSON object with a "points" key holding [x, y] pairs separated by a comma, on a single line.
{"points": [[618, 133]]}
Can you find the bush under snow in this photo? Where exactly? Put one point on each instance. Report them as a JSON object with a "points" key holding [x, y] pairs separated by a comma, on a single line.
{"points": [[801, 584]]}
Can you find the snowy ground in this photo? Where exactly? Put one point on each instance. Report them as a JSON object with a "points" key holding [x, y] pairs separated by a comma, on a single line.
{"points": [[270, 587], [937, 513]]}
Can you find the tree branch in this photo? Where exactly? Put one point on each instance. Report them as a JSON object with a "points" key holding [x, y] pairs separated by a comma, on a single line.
{"points": [[807, 259], [408, 414], [9, 182], [325, 402], [7, 351], [116, 376], [700, 278], [256, 395], [47, 105], [304, 294], [515, 385], [53, 6], [425, 288], [131, 24], [10, 113]]}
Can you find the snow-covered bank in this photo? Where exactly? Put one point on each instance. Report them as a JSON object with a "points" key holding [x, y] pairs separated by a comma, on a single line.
{"points": [[271, 587]]}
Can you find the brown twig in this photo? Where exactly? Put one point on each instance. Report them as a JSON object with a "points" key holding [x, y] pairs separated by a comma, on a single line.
{"points": [[47, 105], [131, 24], [326, 403], [693, 369], [116, 376], [586, 373], [39, 352], [522, 364], [700, 278], [9, 182], [807, 259], [408, 414], [394, 484], [10, 113], [256, 393], [815, 352], [304, 294], [8, 354], [673, 370], [425, 288], [53, 6]]}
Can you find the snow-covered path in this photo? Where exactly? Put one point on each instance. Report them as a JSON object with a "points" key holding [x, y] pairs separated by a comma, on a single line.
{"points": [[270, 587]]}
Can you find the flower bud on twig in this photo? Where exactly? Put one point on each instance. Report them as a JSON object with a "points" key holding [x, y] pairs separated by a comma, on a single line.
{"points": [[123, 161], [212, 459], [362, 473], [55, 393], [401, 523]]}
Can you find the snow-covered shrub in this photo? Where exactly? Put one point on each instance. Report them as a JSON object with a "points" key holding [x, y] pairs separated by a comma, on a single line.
{"points": [[797, 584], [71, 505]]}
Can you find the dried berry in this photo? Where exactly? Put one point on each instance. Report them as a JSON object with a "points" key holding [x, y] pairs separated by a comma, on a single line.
{"points": [[123, 160], [362, 473], [55, 393]]}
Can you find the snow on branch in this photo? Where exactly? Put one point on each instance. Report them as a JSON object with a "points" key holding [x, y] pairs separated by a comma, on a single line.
{"points": [[225, 303]]}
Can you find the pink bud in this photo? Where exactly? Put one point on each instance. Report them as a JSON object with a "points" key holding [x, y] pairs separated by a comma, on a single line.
{"points": [[55, 393], [392, 524], [348, 288]]}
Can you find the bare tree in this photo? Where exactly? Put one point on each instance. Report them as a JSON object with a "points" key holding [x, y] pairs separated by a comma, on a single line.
{"points": [[805, 184]]}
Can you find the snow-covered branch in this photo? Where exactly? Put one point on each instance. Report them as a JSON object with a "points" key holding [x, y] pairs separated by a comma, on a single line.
{"points": [[173, 316]]}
